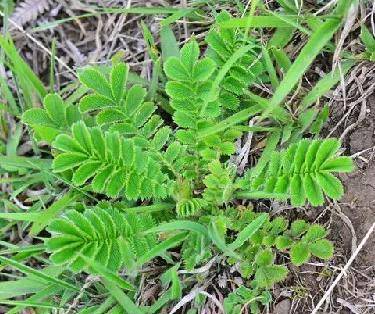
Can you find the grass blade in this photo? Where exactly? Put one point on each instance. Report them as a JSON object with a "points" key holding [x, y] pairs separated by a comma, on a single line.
{"points": [[51, 212], [108, 274], [159, 249], [307, 55], [20, 216], [261, 21], [27, 285], [30, 304], [126, 303], [219, 241], [325, 84], [270, 68], [169, 45], [238, 117], [179, 225], [249, 230], [25, 162], [139, 10], [20, 68], [38, 274]]}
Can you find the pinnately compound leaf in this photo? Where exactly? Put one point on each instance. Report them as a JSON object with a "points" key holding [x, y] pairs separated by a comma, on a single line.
{"points": [[305, 171]]}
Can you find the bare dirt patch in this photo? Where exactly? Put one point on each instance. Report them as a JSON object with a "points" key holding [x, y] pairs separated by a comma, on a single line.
{"points": [[358, 203], [352, 217]]}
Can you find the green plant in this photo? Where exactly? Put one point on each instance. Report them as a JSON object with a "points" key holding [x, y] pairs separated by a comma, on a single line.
{"points": [[150, 186], [102, 234], [303, 171], [368, 41]]}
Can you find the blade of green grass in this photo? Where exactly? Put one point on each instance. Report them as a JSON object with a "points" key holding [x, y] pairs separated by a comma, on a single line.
{"points": [[8, 96], [260, 21], [270, 68], [51, 212], [163, 300], [27, 285], [179, 225], [105, 306], [281, 37], [52, 66], [25, 162], [108, 274], [272, 141], [169, 45], [23, 249], [238, 117], [248, 231], [37, 273], [150, 42], [20, 216], [149, 208], [256, 195], [154, 85], [219, 241], [30, 304], [307, 55], [279, 113], [325, 84], [160, 249], [282, 59], [48, 292], [295, 23], [174, 17], [126, 303], [14, 139], [20, 68], [139, 10]]}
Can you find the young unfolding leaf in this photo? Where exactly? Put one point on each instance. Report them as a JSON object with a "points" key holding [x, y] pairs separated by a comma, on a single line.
{"points": [[189, 86], [300, 253], [54, 119], [117, 108], [222, 44]]}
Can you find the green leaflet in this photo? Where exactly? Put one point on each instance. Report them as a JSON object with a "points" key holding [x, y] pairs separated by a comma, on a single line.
{"points": [[300, 254], [267, 273], [313, 242]]}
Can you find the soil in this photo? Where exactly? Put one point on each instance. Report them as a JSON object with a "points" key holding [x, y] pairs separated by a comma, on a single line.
{"points": [[358, 203]]}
